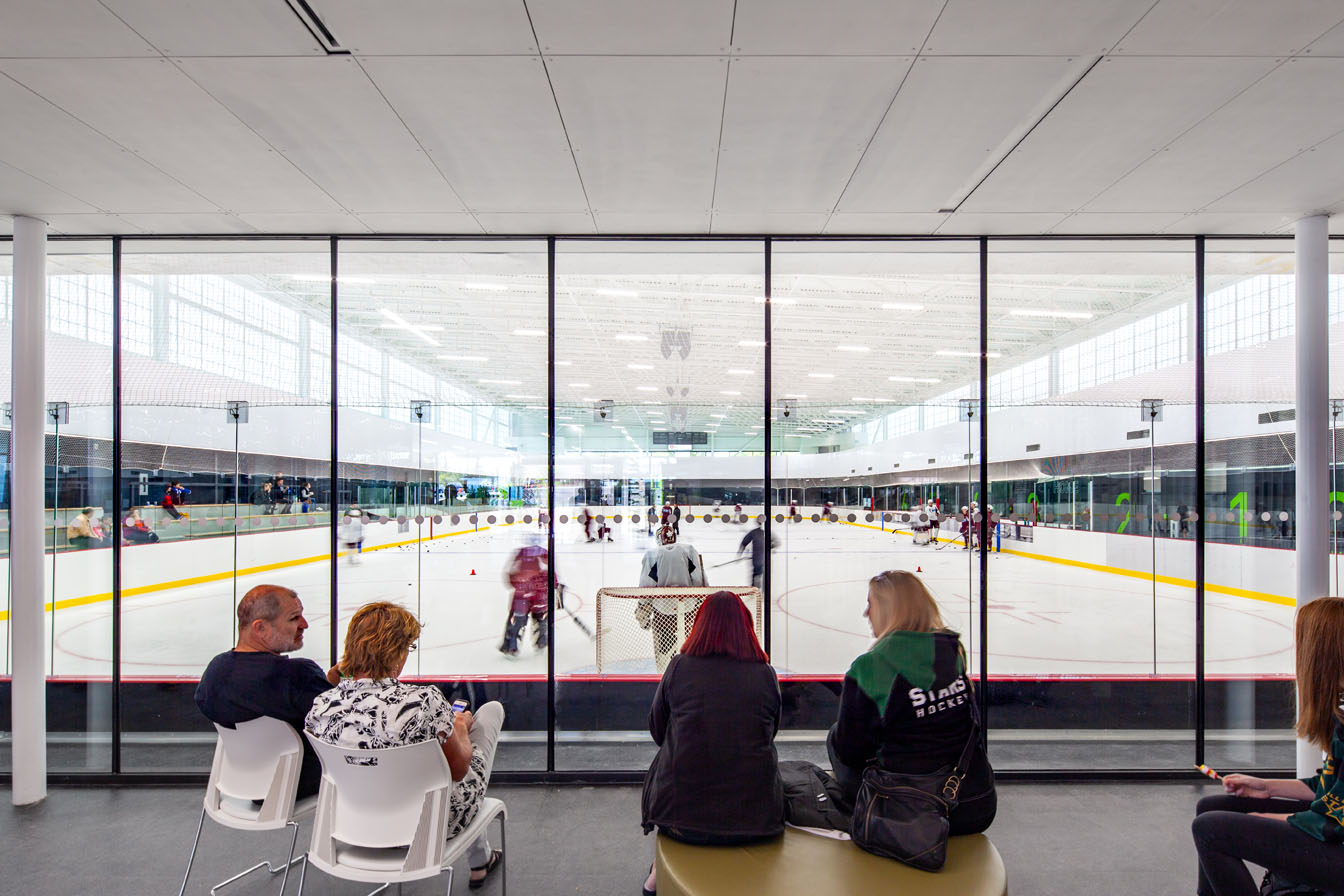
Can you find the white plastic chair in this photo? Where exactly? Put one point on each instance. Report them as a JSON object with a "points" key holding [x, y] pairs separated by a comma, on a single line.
{"points": [[257, 760], [382, 816]]}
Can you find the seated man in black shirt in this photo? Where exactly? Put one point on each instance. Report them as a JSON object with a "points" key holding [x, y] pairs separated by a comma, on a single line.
{"points": [[254, 679]]}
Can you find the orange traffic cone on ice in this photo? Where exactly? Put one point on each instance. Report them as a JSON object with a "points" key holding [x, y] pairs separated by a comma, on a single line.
{"points": [[473, 572], [919, 569]]}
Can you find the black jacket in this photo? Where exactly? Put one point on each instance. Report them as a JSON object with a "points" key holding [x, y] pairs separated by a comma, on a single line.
{"points": [[715, 777]]}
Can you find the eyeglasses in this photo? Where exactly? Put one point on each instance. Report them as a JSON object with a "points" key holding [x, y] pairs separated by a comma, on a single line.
{"points": [[410, 648]]}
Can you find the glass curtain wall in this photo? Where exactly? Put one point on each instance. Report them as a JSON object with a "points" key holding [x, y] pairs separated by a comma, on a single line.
{"points": [[659, 385], [226, 390], [442, 460], [1091, 426], [6, 428], [1250, 357], [873, 348]]}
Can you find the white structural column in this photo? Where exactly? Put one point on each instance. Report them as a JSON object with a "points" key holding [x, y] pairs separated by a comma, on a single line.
{"points": [[26, 529], [1313, 431]]}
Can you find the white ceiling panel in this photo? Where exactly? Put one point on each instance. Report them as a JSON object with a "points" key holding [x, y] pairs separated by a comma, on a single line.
{"points": [[1021, 223], [645, 131], [767, 162], [83, 163], [144, 105], [1329, 44], [1231, 222], [859, 27], [491, 126], [1230, 27], [305, 223], [946, 128], [767, 222], [189, 223], [599, 27], [1032, 28], [210, 28], [428, 27], [1306, 183], [653, 222], [449, 222], [1123, 112], [330, 121], [1294, 107], [64, 29], [23, 194], [91, 224], [541, 222], [880, 223], [1143, 222]]}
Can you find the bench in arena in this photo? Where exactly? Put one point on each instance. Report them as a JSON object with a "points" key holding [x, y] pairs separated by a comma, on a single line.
{"points": [[806, 865]]}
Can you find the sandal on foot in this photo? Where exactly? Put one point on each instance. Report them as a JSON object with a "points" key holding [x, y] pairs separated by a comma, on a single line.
{"points": [[496, 856]]}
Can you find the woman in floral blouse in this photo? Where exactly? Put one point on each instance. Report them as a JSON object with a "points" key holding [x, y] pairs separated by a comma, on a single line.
{"points": [[370, 709]]}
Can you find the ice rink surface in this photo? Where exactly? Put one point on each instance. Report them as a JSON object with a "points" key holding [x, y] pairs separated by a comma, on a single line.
{"points": [[1045, 619]]}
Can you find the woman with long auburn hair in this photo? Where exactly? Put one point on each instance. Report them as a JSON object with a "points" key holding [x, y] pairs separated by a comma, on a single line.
{"points": [[1295, 828], [715, 778], [906, 704]]}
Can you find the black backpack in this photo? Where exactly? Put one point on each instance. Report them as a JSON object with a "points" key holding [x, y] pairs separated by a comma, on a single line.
{"points": [[812, 798]]}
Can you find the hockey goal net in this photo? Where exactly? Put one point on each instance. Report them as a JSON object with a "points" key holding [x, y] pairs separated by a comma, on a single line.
{"points": [[640, 629]]}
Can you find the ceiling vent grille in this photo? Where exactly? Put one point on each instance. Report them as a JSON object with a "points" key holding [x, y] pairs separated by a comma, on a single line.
{"points": [[1283, 416], [317, 28], [1137, 434]]}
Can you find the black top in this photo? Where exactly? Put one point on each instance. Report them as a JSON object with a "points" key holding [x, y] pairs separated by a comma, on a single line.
{"points": [[242, 686], [755, 539], [715, 777]]}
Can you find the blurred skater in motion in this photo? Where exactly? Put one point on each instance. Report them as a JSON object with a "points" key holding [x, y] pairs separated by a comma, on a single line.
{"points": [[826, 513], [352, 534], [676, 518], [174, 497], [669, 565], [527, 575], [755, 539], [589, 525], [793, 510]]}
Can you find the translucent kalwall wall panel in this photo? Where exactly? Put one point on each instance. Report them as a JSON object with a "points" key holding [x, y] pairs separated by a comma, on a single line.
{"points": [[206, 326], [443, 458]]}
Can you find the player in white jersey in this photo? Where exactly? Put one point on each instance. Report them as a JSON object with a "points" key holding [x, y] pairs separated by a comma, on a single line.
{"points": [[671, 564]]}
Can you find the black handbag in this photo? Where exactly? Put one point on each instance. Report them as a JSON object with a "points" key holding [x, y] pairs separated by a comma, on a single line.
{"points": [[905, 817]]}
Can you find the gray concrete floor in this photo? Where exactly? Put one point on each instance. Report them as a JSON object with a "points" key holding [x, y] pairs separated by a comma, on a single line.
{"points": [[1056, 840]]}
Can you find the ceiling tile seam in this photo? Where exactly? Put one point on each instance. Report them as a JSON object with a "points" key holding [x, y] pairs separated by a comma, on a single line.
{"points": [[564, 128], [718, 156], [1297, 155], [113, 13], [176, 63], [414, 136], [1163, 148], [1136, 23], [878, 129], [109, 139], [62, 191]]}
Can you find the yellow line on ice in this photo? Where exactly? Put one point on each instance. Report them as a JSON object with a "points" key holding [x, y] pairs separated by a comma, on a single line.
{"points": [[1262, 596], [220, 576]]}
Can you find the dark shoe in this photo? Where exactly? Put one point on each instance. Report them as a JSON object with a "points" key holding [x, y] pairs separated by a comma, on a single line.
{"points": [[496, 856], [645, 891]]}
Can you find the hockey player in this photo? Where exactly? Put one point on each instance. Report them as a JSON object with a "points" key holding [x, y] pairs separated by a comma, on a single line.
{"points": [[589, 524], [934, 522], [669, 565], [755, 539], [793, 510], [527, 576], [676, 518], [826, 511], [737, 514]]}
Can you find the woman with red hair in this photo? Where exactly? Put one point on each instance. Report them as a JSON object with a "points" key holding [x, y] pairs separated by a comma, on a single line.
{"points": [[715, 778]]}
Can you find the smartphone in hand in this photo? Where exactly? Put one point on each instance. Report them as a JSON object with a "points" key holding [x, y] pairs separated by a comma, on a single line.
{"points": [[459, 705]]}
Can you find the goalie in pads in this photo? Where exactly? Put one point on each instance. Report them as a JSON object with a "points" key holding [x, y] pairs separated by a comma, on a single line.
{"points": [[669, 565], [527, 575]]}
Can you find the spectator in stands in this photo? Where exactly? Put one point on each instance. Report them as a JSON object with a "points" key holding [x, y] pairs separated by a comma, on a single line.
{"points": [[174, 497], [280, 497], [1294, 828], [906, 703], [669, 565], [134, 530], [307, 497], [369, 709], [262, 497], [715, 778], [255, 679], [79, 533]]}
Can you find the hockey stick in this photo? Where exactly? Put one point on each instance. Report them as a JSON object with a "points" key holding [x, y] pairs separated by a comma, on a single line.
{"points": [[726, 562], [583, 626]]}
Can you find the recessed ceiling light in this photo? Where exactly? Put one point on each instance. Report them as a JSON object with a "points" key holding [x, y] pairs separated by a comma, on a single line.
{"points": [[794, 395], [852, 348], [901, 306], [522, 397], [563, 363], [751, 343], [529, 332], [794, 435], [647, 388], [827, 420], [1045, 312], [822, 376], [913, 379], [630, 337], [738, 371], [488, 287], [776, 300], [640, 366], [397, 322], [719, 416], [953, 353], [580, 385], [479, 359], [729, 392], [502, 382], [618, 293]]}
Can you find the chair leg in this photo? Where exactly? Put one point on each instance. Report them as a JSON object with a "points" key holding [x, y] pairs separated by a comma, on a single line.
{"points": [[290, 859], [192, 858], [503, 872]]}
